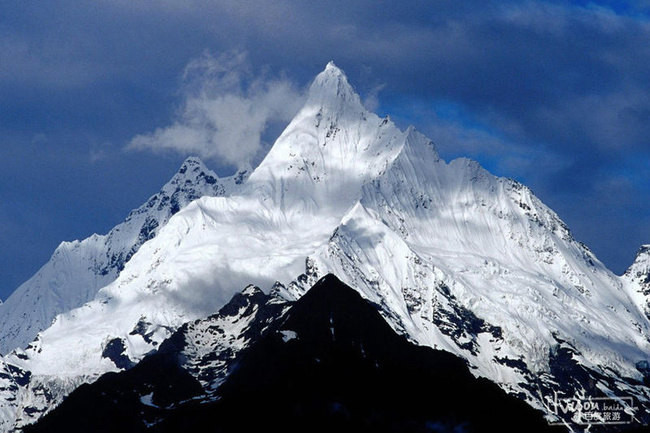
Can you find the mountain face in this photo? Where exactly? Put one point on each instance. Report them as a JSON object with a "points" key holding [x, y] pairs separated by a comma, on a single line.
{"points": [[638, 277], [78, 269], [453, 257], [328, 362]]}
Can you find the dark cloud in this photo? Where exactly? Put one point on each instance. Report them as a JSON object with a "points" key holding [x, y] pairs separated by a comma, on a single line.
{"points": [[554, 93]]}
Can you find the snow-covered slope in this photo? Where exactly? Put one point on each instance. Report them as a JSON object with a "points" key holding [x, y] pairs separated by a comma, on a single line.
{"points": [[261, 233], [455, 257], [477, 265], [637, 277], [78, 269]]}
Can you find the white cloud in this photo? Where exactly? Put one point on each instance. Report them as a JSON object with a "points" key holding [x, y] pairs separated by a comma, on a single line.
{"points": [[225, 111], [371, 101]]}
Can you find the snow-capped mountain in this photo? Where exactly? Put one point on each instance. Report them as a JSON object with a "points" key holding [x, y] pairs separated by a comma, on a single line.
{"points": [[454, 257], [78, 269], [477, 265]]}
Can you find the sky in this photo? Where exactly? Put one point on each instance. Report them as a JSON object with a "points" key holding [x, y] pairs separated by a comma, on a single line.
{"points": [[101, 101]]}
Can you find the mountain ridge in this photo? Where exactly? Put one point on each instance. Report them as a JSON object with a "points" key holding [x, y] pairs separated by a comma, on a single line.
{"points": [[78, 269]]}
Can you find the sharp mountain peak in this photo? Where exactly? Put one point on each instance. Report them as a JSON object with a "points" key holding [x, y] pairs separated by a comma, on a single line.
{"points": [[331, 89]]}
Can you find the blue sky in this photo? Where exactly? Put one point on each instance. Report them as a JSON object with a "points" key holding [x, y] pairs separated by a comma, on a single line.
{"points": [[554, 94]]}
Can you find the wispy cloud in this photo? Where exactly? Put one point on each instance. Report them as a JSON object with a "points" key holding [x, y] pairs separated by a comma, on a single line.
{"points": [[225, 111], [371, 98]]}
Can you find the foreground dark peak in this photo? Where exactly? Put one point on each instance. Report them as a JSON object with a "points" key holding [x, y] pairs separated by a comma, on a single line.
{"points": [[330, 363]]}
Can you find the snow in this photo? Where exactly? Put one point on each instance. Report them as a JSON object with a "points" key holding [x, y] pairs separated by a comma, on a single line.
{"points": [[288, 335], [147, 400], [502, 253], [637, 280], [456, 258], [257, 235]]}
